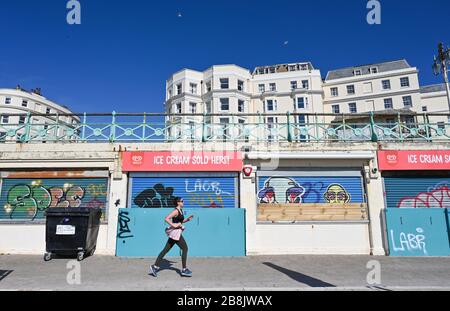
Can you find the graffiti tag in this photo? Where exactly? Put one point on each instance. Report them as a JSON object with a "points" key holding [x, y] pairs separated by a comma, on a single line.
{"points": [[410, 242], [124, 229]]}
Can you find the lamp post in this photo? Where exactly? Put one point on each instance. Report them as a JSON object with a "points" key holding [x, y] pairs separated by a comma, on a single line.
{"points": [[440, 65]]}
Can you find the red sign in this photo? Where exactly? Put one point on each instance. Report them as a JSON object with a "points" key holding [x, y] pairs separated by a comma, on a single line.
{"points": [[414, 160], [182, 161]]}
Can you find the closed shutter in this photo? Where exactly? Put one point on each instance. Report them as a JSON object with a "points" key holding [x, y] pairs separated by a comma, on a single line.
{"points": [[28, 199], [417, 192], [197, 191], [314, 188]]}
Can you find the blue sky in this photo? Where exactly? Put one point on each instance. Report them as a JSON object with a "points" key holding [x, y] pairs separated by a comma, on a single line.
{"points": [[121, 55]]}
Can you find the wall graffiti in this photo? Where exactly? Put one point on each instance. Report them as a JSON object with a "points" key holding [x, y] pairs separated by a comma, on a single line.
{"points": [[438, 198], [289, 190], [409, 242], [124, 228], [29, 199], [197, 192]]}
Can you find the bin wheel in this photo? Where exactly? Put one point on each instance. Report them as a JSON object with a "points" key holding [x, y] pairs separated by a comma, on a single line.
{"points": [[92, 252], [80, 256], [47, 256]]}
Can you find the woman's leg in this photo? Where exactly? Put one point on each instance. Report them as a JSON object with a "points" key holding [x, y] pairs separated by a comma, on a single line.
{"points": [[184, 251], [170, 243]]}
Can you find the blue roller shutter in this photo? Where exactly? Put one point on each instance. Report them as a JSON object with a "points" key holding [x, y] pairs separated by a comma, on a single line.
{"points": [[199, 191], [417, 192]]}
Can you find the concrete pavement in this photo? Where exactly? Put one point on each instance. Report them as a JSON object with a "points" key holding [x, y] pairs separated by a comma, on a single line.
{"points": [[268, 273]]}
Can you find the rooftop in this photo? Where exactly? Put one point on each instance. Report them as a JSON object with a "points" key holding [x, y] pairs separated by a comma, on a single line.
{"points": [[366, 69], [433, 88], [261, 70]]}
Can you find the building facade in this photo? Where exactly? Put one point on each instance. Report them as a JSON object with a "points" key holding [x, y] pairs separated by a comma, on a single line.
{"points": [[32, 111]]}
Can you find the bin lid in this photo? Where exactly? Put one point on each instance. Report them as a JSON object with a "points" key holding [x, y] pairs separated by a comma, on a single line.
{"points": [[71, 211]]}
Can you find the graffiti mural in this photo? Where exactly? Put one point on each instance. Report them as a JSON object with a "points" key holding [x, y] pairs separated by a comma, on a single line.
{"points": [[28, 199], [197, 192], [439, 198], [417, 192], [124, 228], [298, 190], [298, 198]]}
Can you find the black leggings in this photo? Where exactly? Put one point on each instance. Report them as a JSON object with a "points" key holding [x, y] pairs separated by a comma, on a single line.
{"points": [[170, 243]]}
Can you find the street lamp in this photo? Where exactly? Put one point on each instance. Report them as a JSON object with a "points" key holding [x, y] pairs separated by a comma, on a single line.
{"points": [[440, 65]]}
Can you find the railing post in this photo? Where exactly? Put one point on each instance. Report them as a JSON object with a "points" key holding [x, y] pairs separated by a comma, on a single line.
{"points": [[316, 124], [26, 136], [56, 127], [400, 127], [83, 132], [289, 133], [112, 136], [144, 125], [372, 128], [343, 126], [204, 128]]}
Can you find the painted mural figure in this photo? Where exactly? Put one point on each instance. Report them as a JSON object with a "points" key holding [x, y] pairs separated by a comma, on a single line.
{"points": [[267, 196], [279, 186], [336, 194], [157, 197], [294, 195]]}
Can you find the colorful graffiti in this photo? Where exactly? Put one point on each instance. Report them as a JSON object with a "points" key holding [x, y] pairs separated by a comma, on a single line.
{"points": [[29, 199], [287, 190], [438, 198], [197, 192]]}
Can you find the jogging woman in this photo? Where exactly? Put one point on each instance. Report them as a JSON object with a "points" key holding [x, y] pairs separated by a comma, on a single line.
{"points": [[175, 220]]}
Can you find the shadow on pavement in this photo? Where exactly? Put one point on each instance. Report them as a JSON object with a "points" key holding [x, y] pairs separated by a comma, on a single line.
{"points": [[168, 265], [4, 274], [300, 277]]}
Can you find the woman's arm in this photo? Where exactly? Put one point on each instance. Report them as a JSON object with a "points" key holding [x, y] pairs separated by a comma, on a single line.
{"points": [[169, 219], [188, 219]]}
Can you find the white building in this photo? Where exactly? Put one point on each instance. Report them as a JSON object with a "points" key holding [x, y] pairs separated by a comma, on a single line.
{"points": [[17, 105], [434, 100], [230, 89]]}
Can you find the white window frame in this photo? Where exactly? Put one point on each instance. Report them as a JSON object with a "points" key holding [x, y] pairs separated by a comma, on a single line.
{"points": [[410, 101], [404, 79], [392, 103], [241, 104], [333, 109], [240, 85], [223, 83], [334, 92], [348, 89], [294, 83], [193, 87], [262, 88], [274, 105], [272, 87], [305, 84], [221, 104], [383, 84], [353, 105]]}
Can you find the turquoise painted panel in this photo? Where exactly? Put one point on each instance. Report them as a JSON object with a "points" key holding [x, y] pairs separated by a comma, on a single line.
{"points": [[417, 232], [212, 233]]}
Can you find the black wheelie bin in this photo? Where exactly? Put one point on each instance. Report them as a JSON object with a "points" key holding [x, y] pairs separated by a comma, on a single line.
{"points": [[71, 231]]}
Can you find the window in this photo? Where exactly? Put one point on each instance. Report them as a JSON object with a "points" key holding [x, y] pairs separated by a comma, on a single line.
{"points": [[293, 85], [334, 92], [22, 120], [352, 108], [241, 106], [240, 85], [192, 107], [410, 121], [170, 93], [388, 103], [178, 108], [224, 104], [224, 83], [302, 102], [386, 84], [179, 88], [335, 109], [2, 136], [407, 101], [271, 105], [302, 119], [404, 82], [350, 89], [374, 70], [441, 125], [193, 88], [208, 107], [48, 111], [357, 72], [5, 119], [424, 108], [368, 87], [305, 84], [262, 88], [24, 103], [272, 87], [208, 86], [7, 100]]}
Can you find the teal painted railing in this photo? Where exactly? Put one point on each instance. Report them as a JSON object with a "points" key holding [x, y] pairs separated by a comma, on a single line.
{"points": [[290, 127]]}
